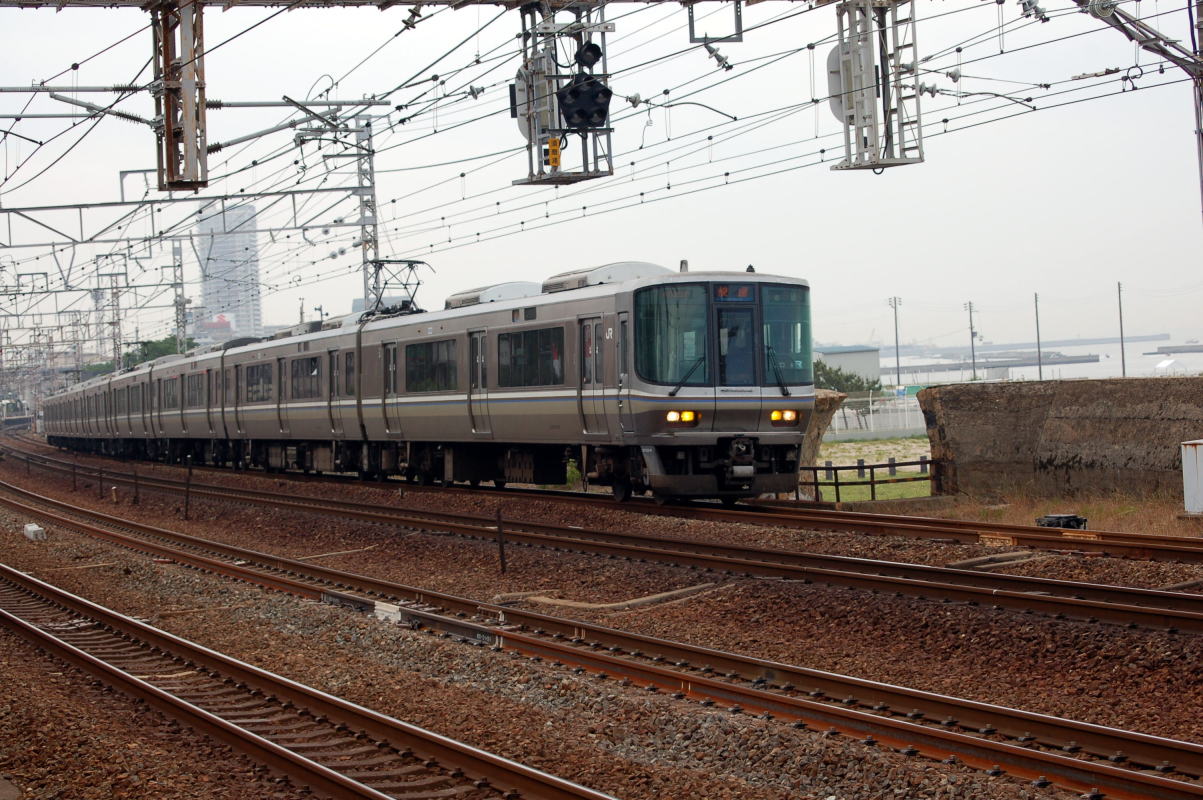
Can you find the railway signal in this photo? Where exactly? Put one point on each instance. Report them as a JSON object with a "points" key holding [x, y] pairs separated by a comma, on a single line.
{"points": [[584, 103]]}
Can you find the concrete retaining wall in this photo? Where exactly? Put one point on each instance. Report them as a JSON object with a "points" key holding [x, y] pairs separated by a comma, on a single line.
{"points": [[1061, 437]]}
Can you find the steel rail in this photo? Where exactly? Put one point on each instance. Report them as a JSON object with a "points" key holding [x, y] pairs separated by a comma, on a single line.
{"points": [[1117, 604], [1141, 546], [908, 736], [496, 771], [465, 523]]}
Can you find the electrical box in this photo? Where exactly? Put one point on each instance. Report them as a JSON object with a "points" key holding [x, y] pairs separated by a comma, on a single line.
{"points": [[1192, 476]]}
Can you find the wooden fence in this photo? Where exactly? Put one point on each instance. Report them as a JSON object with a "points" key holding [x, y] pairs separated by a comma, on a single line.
{"points": [[831, 475]]}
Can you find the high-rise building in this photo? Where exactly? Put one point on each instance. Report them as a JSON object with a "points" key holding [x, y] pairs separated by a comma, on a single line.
{"points": [[228, 250]]}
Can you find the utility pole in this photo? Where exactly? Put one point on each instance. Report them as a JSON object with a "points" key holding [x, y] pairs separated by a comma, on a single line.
{"points": [[972, 336], [181, 302], [894, 303], [1039, 356], [368, 240], [1123, 361], [302, 311]]}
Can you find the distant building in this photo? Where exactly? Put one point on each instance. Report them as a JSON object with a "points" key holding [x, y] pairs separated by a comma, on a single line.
{"points": [[228, 249], [857, 359]]}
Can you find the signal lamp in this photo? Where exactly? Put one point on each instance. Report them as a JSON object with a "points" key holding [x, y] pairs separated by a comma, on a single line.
{"points": [[588, 55], [584, 102]]}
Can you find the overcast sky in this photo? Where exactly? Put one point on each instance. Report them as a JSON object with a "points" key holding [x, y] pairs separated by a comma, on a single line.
{"points": [[1064, 201]]}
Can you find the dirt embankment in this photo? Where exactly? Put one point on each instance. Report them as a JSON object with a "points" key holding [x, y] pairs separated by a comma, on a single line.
{"points": [[1063, 437]]}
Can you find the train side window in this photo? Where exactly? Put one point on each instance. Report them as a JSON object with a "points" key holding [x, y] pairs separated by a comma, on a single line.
{"points": [[531, 358], [599, 366], [431, 367], [622, 347], [349, 373], [171, 393], [194, 391], [306, 378], [586, 354], [258, 383], [390, 370]]}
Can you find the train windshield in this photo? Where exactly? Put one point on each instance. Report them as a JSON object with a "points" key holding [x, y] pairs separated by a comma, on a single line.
{"points": [[671, 334], [699, 334], [785, 313]]}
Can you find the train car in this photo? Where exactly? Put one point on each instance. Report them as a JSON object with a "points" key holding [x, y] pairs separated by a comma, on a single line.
{"points": [[682, 384]]}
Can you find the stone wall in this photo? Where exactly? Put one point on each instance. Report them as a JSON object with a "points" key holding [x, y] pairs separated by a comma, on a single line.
{"points": [[826, 403], [1062, 437]]}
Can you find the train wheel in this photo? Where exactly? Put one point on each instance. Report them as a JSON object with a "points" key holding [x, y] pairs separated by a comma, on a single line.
{"points": [[728, 502], [621, 490], [500, 484]]}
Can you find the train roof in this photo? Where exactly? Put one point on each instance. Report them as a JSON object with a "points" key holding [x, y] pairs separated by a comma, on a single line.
{"points": [[572, 285]]}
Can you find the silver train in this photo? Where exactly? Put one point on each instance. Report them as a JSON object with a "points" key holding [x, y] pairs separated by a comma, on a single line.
{"points": [[682, 384]]}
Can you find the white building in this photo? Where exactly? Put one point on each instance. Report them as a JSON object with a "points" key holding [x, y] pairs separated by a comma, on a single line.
{"points": [[228, 250], [857, 359]]}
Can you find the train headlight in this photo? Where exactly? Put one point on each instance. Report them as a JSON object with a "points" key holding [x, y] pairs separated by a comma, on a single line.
{"points": [[784, 416], [683, 418]]}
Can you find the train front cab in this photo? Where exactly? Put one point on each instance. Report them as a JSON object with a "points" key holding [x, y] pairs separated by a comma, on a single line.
{"points": [[720, 388]]}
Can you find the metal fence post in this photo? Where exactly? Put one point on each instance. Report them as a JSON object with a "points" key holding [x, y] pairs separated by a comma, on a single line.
{"points": [[872, 483], [893, 466], [188, 488], [500, 542], [922, 465], [860, 468]]}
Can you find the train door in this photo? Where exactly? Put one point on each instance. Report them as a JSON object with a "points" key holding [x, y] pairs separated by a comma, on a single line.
{"points": [[281, 405], [181, 397], [737, 404], [349, 391], [234, 391], [209, 385], [389, 406], [626, 419], [332, 407], [158, 412], [478, 383], [590, 392]]}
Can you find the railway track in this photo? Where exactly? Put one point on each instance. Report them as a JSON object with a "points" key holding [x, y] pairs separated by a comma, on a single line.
{"points": [[1121, 544], [333, 746], [1097, 760], [1152, 608]]}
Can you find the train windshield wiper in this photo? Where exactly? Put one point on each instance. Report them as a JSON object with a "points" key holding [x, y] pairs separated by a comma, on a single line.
{"points": [[688, 373], [776, 369]]}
